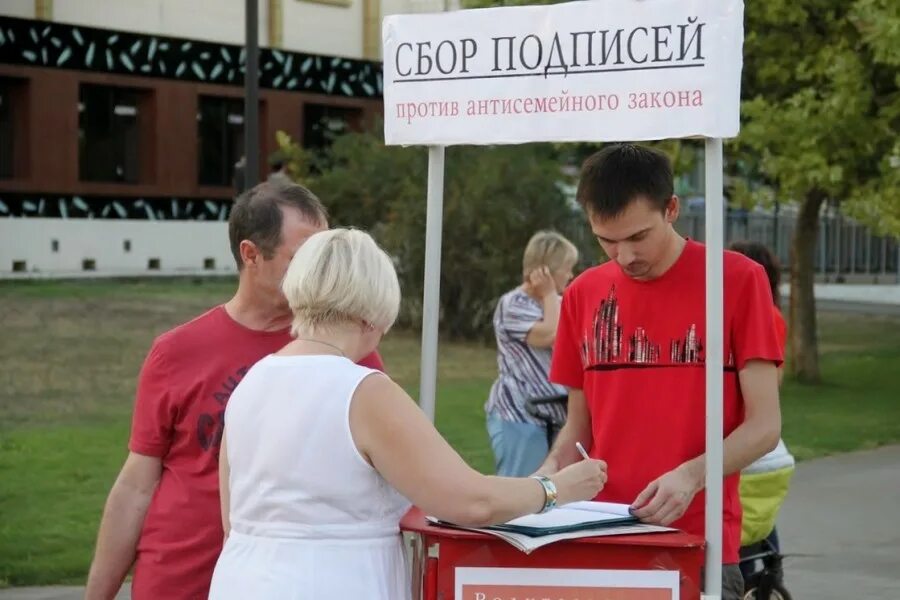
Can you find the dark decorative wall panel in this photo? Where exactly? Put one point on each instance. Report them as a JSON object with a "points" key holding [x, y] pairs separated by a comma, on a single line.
{"points": [[58, 45], [112, 207]]}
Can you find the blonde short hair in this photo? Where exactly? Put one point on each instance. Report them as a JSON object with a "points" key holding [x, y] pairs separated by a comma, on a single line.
{"points": [[339, 276], [547, 249]]}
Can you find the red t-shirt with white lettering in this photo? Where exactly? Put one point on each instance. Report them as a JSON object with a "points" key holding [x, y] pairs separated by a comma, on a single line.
{"points": [[184, 386], [637, 348]]}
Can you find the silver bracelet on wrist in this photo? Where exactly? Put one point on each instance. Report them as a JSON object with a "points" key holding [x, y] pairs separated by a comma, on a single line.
{"points": [[550, 492]]}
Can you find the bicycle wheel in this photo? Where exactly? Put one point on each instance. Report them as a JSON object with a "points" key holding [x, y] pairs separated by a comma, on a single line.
{"points": [[777, 593]]}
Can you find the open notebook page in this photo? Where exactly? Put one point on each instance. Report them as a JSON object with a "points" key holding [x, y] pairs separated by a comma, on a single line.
{"points": [[613, 508], [576, 513]]}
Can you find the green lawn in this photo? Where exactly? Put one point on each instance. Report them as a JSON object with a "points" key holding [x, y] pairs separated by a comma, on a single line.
{"points": [[858, 404], [70, 354]]}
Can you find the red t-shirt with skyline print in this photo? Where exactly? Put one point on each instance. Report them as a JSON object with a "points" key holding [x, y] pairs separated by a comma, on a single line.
{"points": [[636, 349]]}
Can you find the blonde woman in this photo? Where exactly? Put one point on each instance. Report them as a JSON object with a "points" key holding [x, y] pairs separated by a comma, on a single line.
{"points": [[322, 457], [525, 322]]}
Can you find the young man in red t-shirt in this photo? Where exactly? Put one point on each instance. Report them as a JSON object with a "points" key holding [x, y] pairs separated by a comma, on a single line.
{"points": [[163, 512], [631, 346]]}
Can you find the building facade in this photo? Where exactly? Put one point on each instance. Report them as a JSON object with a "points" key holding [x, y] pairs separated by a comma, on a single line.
{"points": [[121, 122]]}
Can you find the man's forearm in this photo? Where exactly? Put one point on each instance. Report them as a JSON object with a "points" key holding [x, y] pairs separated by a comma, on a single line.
{"points": [[747, 443], [120, 529]]}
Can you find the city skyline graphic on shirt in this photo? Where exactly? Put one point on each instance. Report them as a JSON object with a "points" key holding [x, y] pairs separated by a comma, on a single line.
{"points": [[606, 346]]}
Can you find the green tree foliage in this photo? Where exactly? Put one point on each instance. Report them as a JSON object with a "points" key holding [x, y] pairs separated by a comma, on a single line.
{"points": [[495, 198], [297, 158], [821, 114]]}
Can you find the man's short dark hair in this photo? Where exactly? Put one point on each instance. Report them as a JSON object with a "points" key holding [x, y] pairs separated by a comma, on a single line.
{"points": [[618, 174], [256, 216]]}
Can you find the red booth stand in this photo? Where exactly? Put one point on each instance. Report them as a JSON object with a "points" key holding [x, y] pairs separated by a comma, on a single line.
{"points": [[438, 551]]}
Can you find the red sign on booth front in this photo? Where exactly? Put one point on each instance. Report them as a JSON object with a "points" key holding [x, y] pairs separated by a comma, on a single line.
{"points": [[561, 592], [565, 584]]}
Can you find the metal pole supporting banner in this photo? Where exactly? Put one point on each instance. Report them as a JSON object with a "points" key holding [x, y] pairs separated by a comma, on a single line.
{"points": [[251, 96], [432, 292], [715, 356]]}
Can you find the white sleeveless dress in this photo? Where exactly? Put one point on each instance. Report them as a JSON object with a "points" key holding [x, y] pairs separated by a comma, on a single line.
{"points": [[310, 518]]}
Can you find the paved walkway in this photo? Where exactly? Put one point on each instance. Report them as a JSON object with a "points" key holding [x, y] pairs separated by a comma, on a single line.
{"points": [[849, 292], [854, 298], [841, 521], [839, 524]]}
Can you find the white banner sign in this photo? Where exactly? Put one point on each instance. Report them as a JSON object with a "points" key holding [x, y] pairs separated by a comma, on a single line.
{"points": [[605, 70], [495, 583]]}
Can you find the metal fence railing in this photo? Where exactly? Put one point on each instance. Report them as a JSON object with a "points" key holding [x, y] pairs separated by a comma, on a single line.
{"points": [[844, 247]]}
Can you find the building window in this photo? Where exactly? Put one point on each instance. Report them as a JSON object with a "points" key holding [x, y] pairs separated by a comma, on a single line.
{"points": [[220, 129], [322, 123], [108, 134], [7, 130]]}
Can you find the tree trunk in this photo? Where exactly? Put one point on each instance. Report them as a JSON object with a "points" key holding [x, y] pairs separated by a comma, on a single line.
{"points": [[804, 342]]}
